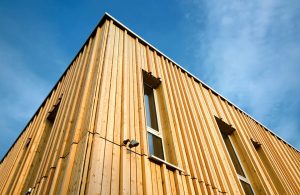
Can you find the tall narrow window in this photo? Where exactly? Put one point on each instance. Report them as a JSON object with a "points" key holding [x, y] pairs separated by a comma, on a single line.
{"points": [[155, 140], [154, 133], [226, 130]]}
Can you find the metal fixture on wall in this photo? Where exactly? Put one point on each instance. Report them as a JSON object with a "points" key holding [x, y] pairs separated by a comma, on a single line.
{"points": [[133, 143], [125, 142]]}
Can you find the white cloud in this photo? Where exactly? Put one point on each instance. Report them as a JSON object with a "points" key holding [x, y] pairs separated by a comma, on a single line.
{"points": [[252, 57]]}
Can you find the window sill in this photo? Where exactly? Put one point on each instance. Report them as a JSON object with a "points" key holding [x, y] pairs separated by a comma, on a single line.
{"points": [[169, 165]]}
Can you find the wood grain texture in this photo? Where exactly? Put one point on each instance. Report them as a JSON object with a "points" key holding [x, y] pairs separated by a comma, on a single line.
{"points": [[102, 103]]}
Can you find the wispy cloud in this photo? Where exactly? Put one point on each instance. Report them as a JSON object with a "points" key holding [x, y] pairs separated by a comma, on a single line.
{"points": [[249, 51]]}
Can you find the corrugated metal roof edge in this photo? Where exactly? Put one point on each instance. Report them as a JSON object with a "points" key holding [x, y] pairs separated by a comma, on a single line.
{"points": [[108, 16]]}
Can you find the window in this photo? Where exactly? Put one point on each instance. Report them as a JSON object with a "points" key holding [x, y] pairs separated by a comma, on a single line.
{"points": [[155, 139], [226, 130], [237, 165], [27, 142], [154, 131], [161, 148], [52, 114]]}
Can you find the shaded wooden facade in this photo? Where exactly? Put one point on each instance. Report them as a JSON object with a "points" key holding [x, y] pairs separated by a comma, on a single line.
{"points": [[74, 142]]}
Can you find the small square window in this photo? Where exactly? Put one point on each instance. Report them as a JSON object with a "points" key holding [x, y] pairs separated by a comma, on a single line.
{"points": [[155, 146]]}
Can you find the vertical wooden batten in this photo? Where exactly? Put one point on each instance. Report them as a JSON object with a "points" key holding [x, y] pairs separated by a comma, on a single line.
{"points": [[102, 104]]}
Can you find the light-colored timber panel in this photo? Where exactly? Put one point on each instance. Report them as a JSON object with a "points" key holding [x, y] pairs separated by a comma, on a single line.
{"points": [[11, 162], [213, 146], [200, 126], [19, 185], [259, 178], [275, 159], [191, 127], [247, 156], [271, 156], [52, 147], [76, 178], [39, 176], [87, 85], [103, 104], [190, 167], [172, 123], [59, 155], [40, 142], [57, 161], [207, 142], [27, 162]]}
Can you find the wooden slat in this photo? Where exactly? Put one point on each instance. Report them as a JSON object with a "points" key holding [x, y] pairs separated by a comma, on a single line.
{"points": [[107, 169], [159, 180], [154, 179], [115, 172], [95, 180], [103, 104], [166, 180]]}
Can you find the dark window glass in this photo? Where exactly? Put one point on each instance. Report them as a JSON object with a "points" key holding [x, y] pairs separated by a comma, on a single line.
{"points": [[155, 146], [247, 188], [233, 156], [150, 108]]}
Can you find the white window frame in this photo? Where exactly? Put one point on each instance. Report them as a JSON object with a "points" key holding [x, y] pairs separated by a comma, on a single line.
{"points": [[157, 132], [242, 178]]}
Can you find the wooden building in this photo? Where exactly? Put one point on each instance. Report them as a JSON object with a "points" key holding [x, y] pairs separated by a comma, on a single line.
{"points": [[126, 119]]}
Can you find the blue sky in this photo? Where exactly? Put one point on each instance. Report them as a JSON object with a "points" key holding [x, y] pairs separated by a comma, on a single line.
{"points": [[248, 51]]}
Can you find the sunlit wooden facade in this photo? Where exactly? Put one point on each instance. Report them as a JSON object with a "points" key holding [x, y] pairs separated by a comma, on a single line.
{"points": [[74, 142]]}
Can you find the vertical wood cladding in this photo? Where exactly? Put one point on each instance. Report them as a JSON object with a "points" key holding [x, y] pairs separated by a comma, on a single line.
{"points": [[101, 103]]}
